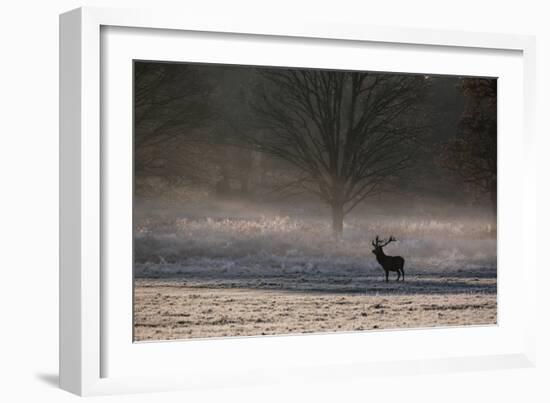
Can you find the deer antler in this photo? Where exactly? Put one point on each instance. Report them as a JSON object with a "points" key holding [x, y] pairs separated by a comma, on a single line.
{"points": [[390, 239]]}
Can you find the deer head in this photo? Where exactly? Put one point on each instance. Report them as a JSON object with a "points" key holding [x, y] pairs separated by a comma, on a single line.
{"points": [[380, 243]]}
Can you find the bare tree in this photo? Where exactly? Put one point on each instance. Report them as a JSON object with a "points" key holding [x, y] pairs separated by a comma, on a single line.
{"points": [[170, 106], [472, 154], [348, 133]]}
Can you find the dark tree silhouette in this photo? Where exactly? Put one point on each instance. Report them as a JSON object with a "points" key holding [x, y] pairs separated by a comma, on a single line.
{"points": [[348, 133], [170, 105], [472, 154], [184, 115]]}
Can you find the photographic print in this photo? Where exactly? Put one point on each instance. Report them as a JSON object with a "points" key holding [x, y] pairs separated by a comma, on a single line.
{"points": [[281, 200]]}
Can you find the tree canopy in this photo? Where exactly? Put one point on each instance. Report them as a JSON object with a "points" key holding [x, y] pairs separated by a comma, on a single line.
{"points": [[348, 133]]}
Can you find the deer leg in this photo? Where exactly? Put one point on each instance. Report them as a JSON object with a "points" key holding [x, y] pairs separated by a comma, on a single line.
{"points": [[398, 275], [387, 275], [403, 273]]}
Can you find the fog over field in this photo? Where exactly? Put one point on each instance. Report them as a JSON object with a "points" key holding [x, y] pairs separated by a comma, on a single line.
{"points": [[259, 195], [231, 269]]}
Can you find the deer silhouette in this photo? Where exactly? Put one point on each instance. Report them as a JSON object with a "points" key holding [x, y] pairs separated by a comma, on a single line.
{"points": [[388, 263]]}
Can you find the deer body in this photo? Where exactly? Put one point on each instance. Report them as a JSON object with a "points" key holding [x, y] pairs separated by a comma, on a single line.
{"points": [[388, 263]]}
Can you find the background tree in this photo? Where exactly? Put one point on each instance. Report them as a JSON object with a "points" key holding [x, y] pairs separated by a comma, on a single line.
{"points": [[171, 106], [232, 117], [348, 133], [472, 154]]}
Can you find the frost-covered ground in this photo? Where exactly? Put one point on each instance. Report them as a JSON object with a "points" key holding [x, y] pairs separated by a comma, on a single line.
{"points": [[235, 271], [174, 310]]}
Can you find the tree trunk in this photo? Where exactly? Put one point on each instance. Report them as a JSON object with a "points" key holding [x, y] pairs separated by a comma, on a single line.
{"points": [[337, 220]]}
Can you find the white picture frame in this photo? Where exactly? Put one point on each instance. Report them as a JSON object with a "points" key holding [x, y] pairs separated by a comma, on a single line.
{"points": [[96, 356]]}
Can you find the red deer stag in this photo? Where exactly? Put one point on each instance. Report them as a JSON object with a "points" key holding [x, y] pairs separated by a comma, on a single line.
{"points": [[388, 263]]}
